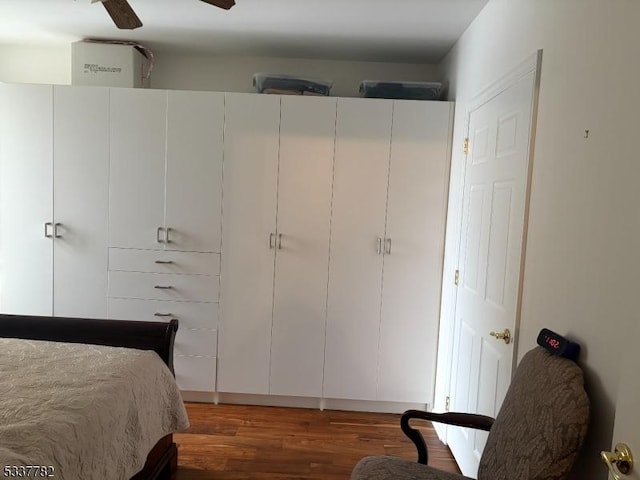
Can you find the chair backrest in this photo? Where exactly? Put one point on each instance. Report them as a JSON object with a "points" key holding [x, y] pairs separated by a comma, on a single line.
{"points": [[542, 423]]}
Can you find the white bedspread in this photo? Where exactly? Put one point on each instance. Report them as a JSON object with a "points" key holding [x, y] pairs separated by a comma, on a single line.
{"points": [[91, 412]]}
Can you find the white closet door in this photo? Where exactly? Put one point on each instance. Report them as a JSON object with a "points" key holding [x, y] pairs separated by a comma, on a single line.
{"points": [[81, 201], [194, 170], [249, 218], [416, 209], [137, 167], [302, 260], [26, 153], [363, 134]]}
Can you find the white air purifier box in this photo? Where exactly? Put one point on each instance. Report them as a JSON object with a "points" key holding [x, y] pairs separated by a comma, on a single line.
{"points": [[108, 65]]}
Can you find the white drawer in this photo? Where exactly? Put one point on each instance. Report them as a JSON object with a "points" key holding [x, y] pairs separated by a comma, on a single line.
{"points": [[202, 343], [189, 314], [156, 286], [162, 261], [197, 374]]}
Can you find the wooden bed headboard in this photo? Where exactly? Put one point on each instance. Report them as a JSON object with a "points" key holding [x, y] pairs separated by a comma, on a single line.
{"points": [[156, 336]]}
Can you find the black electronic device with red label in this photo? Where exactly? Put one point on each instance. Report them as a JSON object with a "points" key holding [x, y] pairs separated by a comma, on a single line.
{"points": [[558, 345]]}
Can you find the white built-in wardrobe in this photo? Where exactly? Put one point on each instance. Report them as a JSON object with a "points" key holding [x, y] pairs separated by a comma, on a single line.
{"points": [[298, 240]]}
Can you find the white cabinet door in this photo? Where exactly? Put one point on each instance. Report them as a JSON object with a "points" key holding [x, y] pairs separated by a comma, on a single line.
{"points": [[249, 219], [302, 249], [195, 128], [137, 167], [26, 193], [81, 173], [195, 373], [363, 133], [416, 209]]}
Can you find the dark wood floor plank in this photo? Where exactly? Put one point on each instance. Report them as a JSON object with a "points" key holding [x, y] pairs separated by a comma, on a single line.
{"points": [[273, 443]]}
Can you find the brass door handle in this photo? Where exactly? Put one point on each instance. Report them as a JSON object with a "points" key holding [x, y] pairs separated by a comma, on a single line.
{"points": [[504, 335], [621, 458]]}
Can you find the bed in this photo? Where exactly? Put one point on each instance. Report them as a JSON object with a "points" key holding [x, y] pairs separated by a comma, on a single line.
{"points": [[87, 398]]}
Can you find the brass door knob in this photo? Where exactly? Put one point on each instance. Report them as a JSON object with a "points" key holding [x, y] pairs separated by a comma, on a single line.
{"points": [[621, 458], [504, 335]]}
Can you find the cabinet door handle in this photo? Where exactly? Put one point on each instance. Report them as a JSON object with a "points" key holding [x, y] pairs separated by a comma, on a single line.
{"points": [[166, 235], [47, 225], [387, 246], [56, 226], [158, 237], [164, 262], [163, 287], [279, 241], [271, 238], [163, 314], [379, 249]]}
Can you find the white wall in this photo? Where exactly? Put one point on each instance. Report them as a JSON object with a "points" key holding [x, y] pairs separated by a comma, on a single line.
{"points": [[19, 64], [185, 71], [582, 253]]}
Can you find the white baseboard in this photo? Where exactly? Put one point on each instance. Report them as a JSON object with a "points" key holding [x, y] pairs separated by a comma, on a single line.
{"points": [[302, 402]]}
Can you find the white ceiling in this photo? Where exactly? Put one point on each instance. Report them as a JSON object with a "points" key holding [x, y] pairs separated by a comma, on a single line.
{"points": [[412, 31]]}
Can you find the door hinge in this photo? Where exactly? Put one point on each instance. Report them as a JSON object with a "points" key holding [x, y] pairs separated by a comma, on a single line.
{"points": [[447, 404], [456, 278], [466, 146]]}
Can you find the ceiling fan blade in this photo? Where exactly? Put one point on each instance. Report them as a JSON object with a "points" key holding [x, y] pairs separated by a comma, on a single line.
{"points": [[122, 14], [226, 4]]}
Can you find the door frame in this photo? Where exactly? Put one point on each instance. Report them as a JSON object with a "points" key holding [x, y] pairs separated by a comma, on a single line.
{"points": [[445, 372]]}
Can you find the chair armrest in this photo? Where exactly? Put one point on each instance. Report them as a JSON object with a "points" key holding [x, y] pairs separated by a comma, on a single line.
{"points": [[469, 420]]}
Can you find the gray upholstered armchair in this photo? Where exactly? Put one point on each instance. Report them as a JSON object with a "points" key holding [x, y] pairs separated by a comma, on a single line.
{"points": [[536, 435]]}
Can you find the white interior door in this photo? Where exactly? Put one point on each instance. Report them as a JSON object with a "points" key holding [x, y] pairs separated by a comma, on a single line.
{"points": [[495, 193], [195, 126], [26, 199], [305, 180], [363, 137], [416, 212], [137, 167], [627, 422], [249, 224], [81, 201]]}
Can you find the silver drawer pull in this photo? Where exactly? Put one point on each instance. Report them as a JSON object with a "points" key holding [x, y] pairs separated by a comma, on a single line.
{"points": [[164, 262], [163, 314], [46, 229], [163, 287]]}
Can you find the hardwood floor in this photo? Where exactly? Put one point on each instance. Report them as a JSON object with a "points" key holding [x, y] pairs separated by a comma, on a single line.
{"points": [[273, 443]]}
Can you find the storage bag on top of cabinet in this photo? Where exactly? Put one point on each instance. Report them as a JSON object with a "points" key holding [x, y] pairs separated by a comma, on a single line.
{"points": [[290, 85], [401, 90]]}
